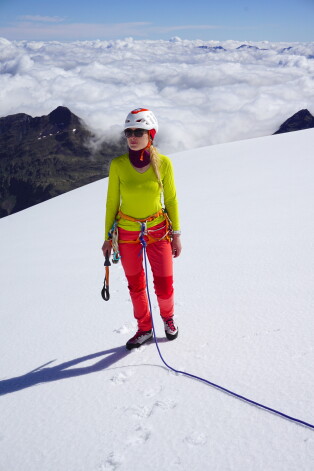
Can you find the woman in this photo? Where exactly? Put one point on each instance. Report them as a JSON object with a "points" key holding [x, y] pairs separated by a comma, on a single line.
{"points": [[138, 180]]}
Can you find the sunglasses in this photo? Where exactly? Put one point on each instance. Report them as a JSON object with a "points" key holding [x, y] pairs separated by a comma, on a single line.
{"points": [[137, 132]]}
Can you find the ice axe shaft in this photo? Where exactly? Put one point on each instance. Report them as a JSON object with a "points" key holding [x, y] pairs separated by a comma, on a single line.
{"points": [[105, 291]]}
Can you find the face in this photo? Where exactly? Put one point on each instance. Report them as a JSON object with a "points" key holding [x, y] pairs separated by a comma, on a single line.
{"points": [[138, 143]]}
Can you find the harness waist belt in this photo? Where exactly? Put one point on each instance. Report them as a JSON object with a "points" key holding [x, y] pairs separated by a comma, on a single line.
{"points": [[121, 215]]}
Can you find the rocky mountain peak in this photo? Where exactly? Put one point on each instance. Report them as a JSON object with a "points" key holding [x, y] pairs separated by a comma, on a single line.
{"points": [[300, 120], [62, 116]]}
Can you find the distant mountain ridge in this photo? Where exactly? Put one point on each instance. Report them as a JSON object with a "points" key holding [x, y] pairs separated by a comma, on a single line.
{"points": [[45, 156]]}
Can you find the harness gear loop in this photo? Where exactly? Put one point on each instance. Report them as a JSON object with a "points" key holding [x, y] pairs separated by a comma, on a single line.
{"points": [[113, 236]]}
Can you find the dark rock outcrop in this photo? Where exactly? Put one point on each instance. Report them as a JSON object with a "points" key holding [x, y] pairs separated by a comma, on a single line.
{"points": [[46, 156], [300, 120]]}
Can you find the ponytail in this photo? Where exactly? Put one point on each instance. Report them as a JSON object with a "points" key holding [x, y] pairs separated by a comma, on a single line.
{"points": [[155, 161]]}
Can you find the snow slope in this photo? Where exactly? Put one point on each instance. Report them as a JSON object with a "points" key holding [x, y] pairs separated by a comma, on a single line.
{"points": [[73, 398]]}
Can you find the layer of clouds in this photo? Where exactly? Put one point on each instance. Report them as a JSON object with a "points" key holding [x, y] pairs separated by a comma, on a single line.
{"points": [[201, 92]]}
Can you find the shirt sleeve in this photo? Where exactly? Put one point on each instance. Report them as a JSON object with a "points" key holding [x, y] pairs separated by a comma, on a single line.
{"points": [[113, 197], [170, 196]]}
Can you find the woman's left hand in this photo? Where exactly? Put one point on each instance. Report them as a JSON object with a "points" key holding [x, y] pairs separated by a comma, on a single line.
{"points": [[176, 245]]}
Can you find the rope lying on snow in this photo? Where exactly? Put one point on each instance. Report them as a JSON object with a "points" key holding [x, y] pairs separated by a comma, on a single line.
{"points": [[225, 390]]}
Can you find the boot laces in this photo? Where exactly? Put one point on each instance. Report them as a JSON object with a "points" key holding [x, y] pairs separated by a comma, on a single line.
{"points": [[170, 324]]}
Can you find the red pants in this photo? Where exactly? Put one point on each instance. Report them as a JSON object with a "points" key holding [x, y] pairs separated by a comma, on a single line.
{"points": [[159, 255]]}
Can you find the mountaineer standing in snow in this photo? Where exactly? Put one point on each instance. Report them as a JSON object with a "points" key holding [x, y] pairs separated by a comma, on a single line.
{"points": [[138, 181]]}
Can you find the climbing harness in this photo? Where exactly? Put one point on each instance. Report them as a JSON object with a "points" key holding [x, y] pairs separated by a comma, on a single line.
{"points": [[144, 231], [148, 232], [225, 390]]}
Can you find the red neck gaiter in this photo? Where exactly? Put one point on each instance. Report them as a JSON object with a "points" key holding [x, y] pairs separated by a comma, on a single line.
{"points": [[139, 158]]}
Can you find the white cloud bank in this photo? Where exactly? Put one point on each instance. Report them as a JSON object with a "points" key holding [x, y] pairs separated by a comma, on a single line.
{"points": [[202, 92]]}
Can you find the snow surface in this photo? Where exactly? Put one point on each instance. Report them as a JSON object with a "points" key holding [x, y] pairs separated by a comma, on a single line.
{"points": [[74, 399]]}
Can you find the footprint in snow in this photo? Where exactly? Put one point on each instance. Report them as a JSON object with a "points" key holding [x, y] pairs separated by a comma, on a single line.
{"points": [[112, 463], [164, 405], [151, 392], [144, 412], [124, 329], [121, 377], [138, 412], [196, 439], [139, 437]]}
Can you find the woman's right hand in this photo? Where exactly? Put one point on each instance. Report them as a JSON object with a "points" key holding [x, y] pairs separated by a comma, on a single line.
{"points": [[106, 248]]}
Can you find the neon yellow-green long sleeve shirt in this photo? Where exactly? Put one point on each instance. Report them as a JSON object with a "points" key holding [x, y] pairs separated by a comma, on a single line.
{"points": [[139, 195]]}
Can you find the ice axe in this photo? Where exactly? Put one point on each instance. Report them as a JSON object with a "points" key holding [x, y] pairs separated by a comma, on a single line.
{"points": [[105, 291]]}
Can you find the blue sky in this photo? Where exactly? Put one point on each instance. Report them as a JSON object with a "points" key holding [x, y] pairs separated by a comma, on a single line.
{"points": [[273, 20]]}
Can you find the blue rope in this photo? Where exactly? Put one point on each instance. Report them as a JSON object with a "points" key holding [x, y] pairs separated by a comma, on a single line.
{"points": [[225, 390]]}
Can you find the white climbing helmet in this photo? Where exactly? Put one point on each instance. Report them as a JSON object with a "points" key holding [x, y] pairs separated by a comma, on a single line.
{"points": [[141, 118]]}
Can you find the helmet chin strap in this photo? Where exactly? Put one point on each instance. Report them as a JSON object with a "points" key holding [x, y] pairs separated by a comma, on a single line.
{"points": [[147, 147]]}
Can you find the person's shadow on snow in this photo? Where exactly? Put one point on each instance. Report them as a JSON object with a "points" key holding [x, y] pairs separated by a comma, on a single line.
{"points": [[44, 374]]}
